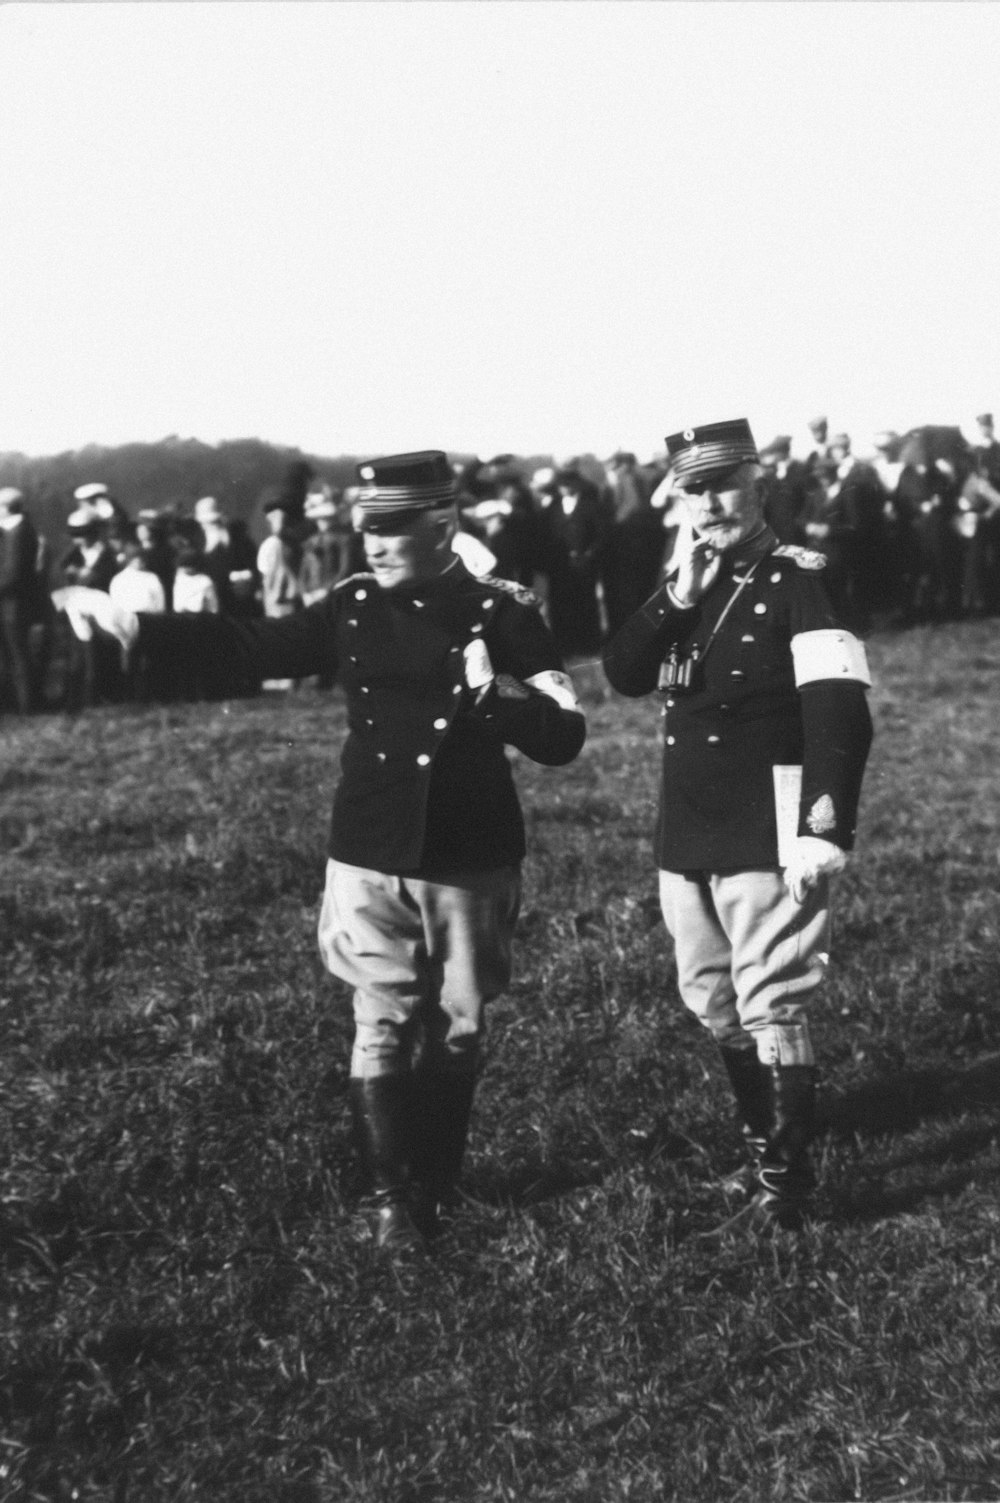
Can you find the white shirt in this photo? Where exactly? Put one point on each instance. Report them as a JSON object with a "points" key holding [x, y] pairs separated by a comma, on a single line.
{"points": [[138, 590], [194, 592]]}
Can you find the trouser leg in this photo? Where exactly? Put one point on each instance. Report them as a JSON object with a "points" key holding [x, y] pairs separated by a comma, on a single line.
{"points": [[468, 929], [424, 957], [703, 955], [749, 961]]}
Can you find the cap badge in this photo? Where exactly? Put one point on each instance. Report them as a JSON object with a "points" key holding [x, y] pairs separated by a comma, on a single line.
{"points": [[366, 472], [688, 435]]}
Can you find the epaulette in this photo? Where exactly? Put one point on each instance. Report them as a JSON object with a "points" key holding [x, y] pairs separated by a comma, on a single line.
{"points": [[520, 592], [354, 579], [806, 558]]}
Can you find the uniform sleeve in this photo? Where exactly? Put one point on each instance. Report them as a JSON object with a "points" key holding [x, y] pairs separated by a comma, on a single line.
{"points": [[242, 653], [544, 720], [633, 657], [832, 678]]}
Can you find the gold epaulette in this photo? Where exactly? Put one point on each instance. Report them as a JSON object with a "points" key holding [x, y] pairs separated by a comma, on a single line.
{"points": [[806, 558], [520, 592]]}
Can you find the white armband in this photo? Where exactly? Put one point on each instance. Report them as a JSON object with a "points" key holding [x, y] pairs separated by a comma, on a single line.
{"points": [[829, 654], [558, 686]]}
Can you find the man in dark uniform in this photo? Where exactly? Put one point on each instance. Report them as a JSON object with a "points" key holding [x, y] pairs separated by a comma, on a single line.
{"points": [[766, 733], [441, 672]]}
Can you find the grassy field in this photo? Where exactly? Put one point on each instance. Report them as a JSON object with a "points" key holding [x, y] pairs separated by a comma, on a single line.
{"points": [[190, 1308]]}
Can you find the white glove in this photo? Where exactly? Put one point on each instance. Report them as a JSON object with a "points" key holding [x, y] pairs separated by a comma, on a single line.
{"points": [[89, 609], [810, 860], [697, 565], [478, 668]]}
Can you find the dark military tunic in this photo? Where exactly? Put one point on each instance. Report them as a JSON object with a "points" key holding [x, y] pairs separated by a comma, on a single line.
{"points": [[426, 786], [747, 709]]}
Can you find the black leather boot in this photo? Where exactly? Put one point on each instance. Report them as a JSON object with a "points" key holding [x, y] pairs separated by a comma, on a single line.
{"points": [[751, 1083], [786, 1174], [381, 1112], [442, 1109]]}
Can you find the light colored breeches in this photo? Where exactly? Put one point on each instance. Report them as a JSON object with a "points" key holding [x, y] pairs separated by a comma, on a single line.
{"points": [[424, 959], [749, 958]]}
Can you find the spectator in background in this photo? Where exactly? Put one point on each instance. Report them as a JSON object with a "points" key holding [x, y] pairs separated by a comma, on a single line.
{"points": [[576, 531], [867, 556], [986, 462], [152, 532], [136, 587], [888, 468], [925, 504], [216, 549], [518, 544], [634, 543], [828, 526], [325, 553], [819, 448], [94, 671], [194, 587], [116, 525], [279, 561], [23, 603], [785, 487], [244, 580]]}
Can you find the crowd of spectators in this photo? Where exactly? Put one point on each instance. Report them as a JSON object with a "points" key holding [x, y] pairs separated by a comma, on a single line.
{"points": [[910, 535]]}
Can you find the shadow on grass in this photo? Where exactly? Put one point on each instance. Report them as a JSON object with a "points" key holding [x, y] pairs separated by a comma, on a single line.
{"points": [[535, 1179], [930, 1168], [900, 1102]]}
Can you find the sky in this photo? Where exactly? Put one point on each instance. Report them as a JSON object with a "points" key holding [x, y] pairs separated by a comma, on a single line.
{"points": [[543, 226]]}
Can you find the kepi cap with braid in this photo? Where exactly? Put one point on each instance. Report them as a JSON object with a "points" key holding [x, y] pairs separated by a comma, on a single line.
{"points": [[397, 486], [712, 449]]}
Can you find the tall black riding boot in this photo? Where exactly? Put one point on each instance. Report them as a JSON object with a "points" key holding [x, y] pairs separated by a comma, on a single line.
{"points": [[751, 1083], [381, 1111], [786, 1172], [443, 1107]]}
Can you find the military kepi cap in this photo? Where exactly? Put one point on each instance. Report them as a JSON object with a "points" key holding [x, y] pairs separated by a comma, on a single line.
{"points": [[699, 453], [397, 486]]}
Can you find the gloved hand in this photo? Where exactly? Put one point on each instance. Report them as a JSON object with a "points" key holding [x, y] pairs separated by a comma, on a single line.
{"points": [[87, 610], [810, 860], [483, 682]]}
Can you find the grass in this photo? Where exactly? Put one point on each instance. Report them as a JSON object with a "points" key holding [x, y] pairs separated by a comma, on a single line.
{"points": [[190, 1308]]}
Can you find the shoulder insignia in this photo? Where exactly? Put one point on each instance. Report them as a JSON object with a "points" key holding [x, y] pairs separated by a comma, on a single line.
{"points": [[353, 579], [520, 592], [806, 558]]}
